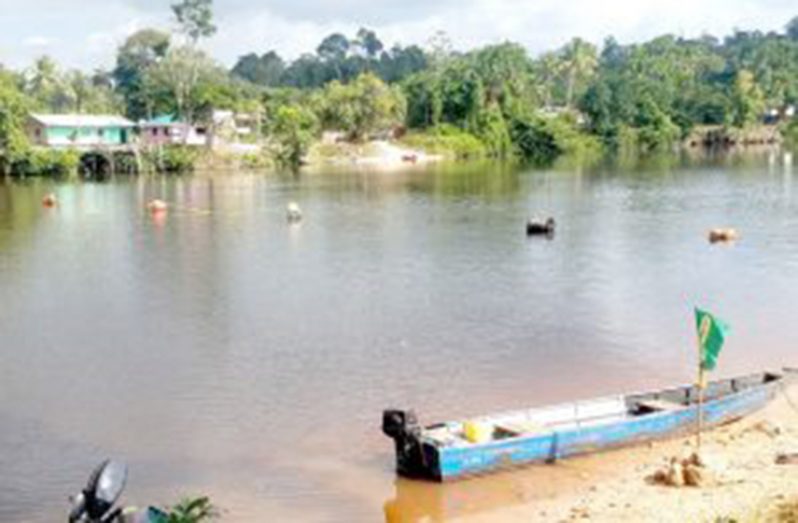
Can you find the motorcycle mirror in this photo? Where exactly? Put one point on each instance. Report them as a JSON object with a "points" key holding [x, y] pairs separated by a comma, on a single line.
{"points": [[78, 507], [104, 488]]}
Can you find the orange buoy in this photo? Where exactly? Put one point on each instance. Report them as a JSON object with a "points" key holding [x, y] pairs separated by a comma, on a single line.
{"points": [[157, 206], [50, 200], [723, 235]]}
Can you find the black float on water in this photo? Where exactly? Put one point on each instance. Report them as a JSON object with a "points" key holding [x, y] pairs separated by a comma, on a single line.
{"points": [[538, 228]]}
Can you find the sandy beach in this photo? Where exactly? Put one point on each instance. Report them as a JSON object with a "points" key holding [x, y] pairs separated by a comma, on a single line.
{"points": [[747, 484]]}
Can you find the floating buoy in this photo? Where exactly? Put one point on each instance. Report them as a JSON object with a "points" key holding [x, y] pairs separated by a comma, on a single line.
{"points": [[723, 235], [157, 206], [293, 212], [50, 200], [541, 228]]}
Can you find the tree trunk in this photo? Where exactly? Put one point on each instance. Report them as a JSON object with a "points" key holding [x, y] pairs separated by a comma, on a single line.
{"points": [[570, 93]]}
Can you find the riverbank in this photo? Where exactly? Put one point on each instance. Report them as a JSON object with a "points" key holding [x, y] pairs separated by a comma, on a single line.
{"points": [[381, 154], [748, 485]]}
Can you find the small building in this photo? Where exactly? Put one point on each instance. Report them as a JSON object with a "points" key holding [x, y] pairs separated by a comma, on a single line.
{"points": [[81, 131], [167, 130], [777, 115], [232, 130]]}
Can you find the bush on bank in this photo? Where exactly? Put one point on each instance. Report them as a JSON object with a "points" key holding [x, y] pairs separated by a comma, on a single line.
{"points": [[171, 159], [45, 162], [447, 140]]}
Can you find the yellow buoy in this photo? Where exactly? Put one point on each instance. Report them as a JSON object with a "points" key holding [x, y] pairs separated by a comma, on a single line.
{"points": [[477, 432]]}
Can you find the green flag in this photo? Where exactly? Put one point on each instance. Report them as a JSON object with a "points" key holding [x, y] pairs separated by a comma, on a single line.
{"points": [[711, 335]]}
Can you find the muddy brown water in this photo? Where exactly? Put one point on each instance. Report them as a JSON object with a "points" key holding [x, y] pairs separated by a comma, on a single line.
{"points": [[219, 350]]}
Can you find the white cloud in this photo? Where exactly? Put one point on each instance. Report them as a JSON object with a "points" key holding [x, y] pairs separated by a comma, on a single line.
{"points": [[296, 26], [539, 25], [37, 41]]}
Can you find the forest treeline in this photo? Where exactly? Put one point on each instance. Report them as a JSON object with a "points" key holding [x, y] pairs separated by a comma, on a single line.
{"points": [[497, 100]]}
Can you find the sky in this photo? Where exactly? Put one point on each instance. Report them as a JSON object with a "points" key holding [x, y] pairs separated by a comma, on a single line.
{"points": [[86, 33]]}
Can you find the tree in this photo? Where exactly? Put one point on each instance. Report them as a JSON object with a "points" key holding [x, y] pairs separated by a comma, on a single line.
{"points": [[195, 18], [440, 48], [294, 128], [792, 28], [333, 51], [364, 106], [748, 100], [401, 62], [178, 75], [333, 48], [307, 71], [89, 95], [47, 87], [264, 70], [368, 41], [580, 62], [548, 70], [140, 53], [13, 114]]}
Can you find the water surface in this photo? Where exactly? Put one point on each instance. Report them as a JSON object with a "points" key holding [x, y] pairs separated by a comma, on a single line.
{"points": [[219, 350]]}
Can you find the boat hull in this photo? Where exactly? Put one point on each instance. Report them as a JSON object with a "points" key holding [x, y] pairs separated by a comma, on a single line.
{"points": [[446, 463]]}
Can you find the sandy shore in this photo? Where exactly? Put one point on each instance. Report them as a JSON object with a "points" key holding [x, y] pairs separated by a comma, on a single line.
{"points": [[377, 154], [748, 485]]}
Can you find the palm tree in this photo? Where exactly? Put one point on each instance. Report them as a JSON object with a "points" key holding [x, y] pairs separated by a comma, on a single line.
{"points": [[580, 62], [548, 70]]}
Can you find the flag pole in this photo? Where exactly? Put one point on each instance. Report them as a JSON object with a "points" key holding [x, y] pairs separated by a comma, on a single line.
{"points": [[701, 387]]}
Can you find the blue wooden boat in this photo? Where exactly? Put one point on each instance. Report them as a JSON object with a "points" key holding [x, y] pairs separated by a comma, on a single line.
{"points": [[453, 450]]}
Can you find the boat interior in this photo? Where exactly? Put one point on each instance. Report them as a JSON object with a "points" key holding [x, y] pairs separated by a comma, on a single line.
{"points": [[539, 421]]}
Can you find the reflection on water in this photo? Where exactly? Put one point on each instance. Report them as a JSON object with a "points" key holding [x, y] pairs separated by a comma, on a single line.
{"points": [[417, 502], [220, 350]]}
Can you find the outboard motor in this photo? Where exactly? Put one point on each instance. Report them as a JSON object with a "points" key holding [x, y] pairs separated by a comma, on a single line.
{"points": [[403, 428]]}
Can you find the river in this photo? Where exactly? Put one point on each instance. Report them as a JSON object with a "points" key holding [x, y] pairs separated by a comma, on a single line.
{"points": [[221, 351]]}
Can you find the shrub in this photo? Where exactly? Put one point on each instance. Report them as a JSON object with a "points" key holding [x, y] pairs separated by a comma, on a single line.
{"points": [[542, 140], [447, 140], [178, 159], [46, 162], [197, 510], [790, 133], [171, 159]]}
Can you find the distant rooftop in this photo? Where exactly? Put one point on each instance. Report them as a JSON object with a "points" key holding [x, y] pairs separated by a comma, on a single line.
{"points": [[82, 120], [164, 119]]}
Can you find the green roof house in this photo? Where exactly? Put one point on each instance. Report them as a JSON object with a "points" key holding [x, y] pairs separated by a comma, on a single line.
{"points": [[81, 131]]}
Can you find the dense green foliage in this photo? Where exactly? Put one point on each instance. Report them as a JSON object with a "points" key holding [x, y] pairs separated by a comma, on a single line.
{"points": [[364, 106], [47, 162], [294, 129], [171, 159], [336, 58], [13, 112], [495, 101], [447, 140]]}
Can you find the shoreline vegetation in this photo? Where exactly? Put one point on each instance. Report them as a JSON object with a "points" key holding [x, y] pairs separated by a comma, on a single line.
{"points": [[420, 103]]}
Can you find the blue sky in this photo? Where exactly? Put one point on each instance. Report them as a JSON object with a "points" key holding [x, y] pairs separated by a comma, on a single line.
{"points": [[86, 33]]}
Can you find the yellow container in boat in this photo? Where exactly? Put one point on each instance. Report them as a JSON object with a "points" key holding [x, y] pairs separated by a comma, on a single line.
{"points": [[476, 432]]}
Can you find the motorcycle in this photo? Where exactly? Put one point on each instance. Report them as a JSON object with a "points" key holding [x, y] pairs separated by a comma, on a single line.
{"points": [[97, 502]]}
